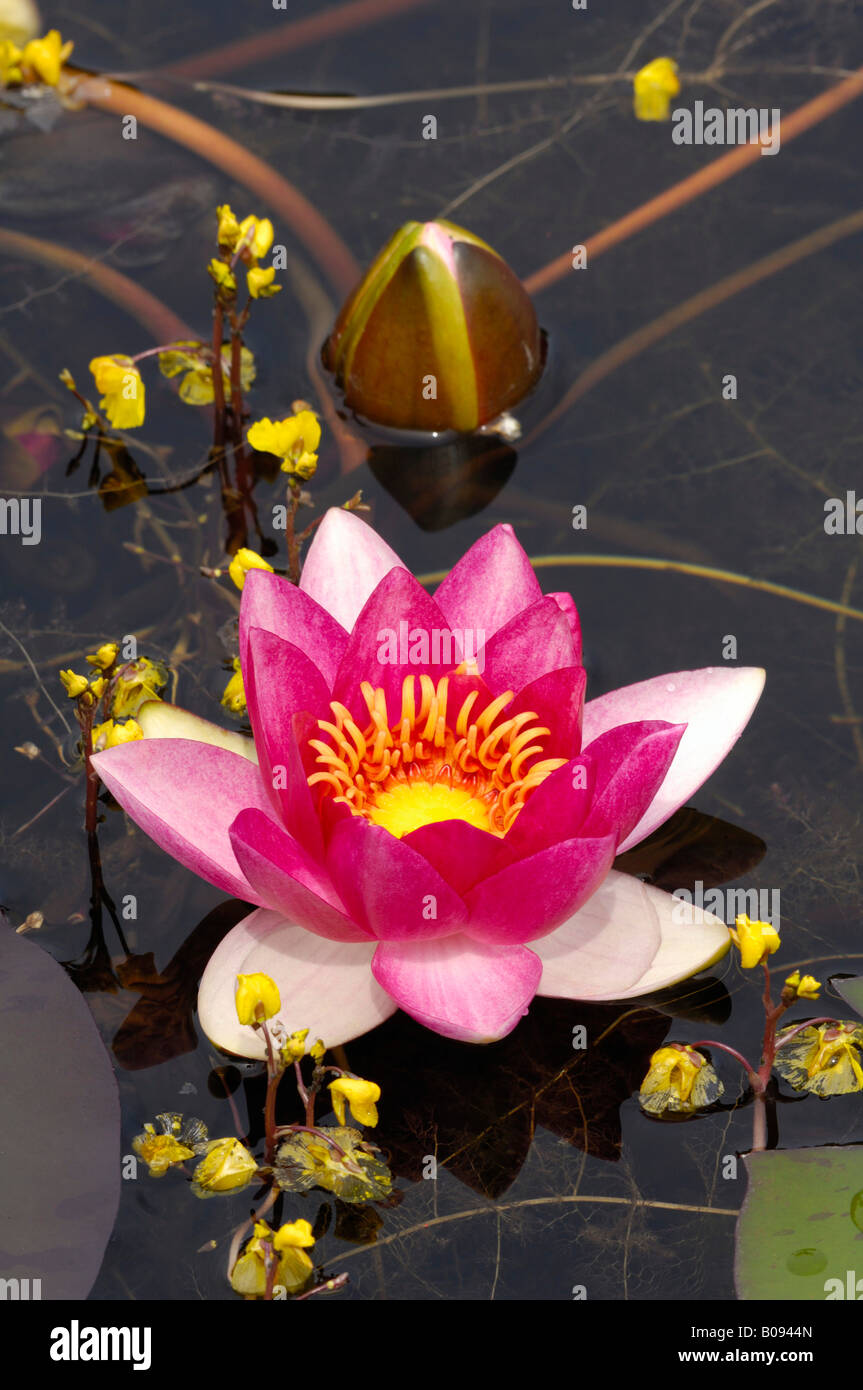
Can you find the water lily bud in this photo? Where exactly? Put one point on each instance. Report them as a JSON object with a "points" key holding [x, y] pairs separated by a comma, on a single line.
{"points": [[439, 335]]}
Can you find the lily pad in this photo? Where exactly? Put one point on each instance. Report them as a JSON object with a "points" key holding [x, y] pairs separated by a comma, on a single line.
{"points": [[851, 990], [801, 1224], [59, 1129]]}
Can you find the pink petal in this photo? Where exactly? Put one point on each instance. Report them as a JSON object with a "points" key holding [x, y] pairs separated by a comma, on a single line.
{"points": [[185, 795], [345, 562], [529, 899], [459, 988], [566, 604], [280, 682], [631, 762], [535, 641], [491, 583], [557, 699], [278, 606], [388, 887], [462, 853], [288, 880], [400, 632], [716, 704], [325, 986], [556, 810], [628, 940]]}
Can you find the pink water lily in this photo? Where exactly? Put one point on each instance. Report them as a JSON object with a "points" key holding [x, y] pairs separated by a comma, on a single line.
{"points": [[427, 816]]}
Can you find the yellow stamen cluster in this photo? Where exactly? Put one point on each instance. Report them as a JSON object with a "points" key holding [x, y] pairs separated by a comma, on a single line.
{"points": [[428, 766]]}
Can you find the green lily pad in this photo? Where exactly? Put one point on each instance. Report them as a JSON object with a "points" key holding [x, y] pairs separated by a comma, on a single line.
{"points": [[800, 1229], [357, 1174], [851, 991]]}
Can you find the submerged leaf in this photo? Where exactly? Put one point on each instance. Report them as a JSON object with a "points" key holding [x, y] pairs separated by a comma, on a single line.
{"points": [[359, 1174], [60, 1115]]}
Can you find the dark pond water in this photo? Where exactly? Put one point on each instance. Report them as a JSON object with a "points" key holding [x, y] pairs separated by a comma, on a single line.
{"points": [[549, 1175]]}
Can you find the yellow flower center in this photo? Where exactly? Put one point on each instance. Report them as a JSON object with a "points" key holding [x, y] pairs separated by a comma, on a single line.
{"points": [[431, 766]]}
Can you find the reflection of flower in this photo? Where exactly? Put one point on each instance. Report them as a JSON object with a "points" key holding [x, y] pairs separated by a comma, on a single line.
{"points": [[360, 1095], [122, 389], [754, 940], [825, 1059], [420, 833], [680, 1079]]}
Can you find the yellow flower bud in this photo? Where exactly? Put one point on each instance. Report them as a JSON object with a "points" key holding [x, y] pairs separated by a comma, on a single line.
{"points": [[257, 998], [360, 1095], [72, 684], [294, 1047], [221, 273], [227, 1167], [317, 1050], [47, 56], [105, 656], [257, 236], [97, 687], [653, 87], [229, 227], [10, 64], [803, 986], [754, 940], [242, 562], [234, 697]]}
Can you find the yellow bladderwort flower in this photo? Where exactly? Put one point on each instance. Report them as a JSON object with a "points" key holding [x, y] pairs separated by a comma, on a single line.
{"points": [[287, 1245], [141, 680], [229, 227], [257, 998], [160, 1151], [360, 1095], [111, 734], [825, 1060], [754, 940], [317, 1050], [196, 388], [679, 1079], [293, 440], [10, 64], [220, 272], [653, 87], [73, 684], [260, 282], [803, 986], [47, 56], [293, 1049], [122, 388], [242, 562], [97, 687], [227, 1167], [105, 657], [256, 235], [234, 697]]}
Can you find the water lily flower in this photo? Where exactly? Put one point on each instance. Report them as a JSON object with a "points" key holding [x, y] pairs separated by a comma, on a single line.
{"points": [[417, 832], [122, 388], [360, 1095], [754, 940]]}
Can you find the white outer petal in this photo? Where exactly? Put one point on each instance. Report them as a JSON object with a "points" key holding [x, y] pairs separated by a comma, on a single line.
{"points": [[690, 940], [325, 986]]}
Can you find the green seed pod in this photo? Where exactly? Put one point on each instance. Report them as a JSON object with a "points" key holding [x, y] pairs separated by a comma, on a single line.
{"points": [[439, 334]]}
